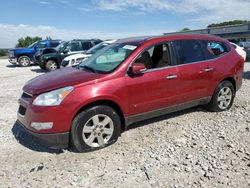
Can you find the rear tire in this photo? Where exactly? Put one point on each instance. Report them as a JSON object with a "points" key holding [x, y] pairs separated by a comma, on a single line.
{"points": [[223, 97], [24, 61], [51, 65], [95, 128]]}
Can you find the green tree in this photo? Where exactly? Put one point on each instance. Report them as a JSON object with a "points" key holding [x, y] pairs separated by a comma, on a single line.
{"points": [[227, 23], [3, 52], [24, 42], [185, 29]]}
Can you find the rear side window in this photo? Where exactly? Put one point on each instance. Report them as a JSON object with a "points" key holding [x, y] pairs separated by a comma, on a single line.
{"points": [[41, 45], [214, 49], [188, 51], [86, 45]]}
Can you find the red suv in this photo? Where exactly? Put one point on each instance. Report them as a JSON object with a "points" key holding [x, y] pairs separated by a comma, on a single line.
{"points": [[131, 80]]}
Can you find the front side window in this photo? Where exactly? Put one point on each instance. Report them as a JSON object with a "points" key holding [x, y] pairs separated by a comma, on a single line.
{"points": [[188, 51], [157, 56], [108, 58], [61, 46]]}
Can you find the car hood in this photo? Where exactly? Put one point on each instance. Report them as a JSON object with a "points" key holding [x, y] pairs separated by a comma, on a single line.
{"points": [[58, 79], [76, 56], [20, 49]]}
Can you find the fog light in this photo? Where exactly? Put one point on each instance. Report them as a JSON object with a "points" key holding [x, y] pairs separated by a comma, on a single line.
{"points": [[40, 126]]}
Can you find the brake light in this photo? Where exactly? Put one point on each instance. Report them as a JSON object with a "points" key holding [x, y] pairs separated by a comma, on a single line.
{"points": [[242, 60]]}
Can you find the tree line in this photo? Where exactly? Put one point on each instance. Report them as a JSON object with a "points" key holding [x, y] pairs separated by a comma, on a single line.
{"points": [[227, 23]]}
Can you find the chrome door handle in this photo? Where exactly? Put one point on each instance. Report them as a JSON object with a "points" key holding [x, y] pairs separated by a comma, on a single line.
{"points": [[208, 69], [169, 77]]}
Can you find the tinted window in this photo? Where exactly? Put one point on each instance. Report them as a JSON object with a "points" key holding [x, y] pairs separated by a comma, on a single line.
{"points": [[188, 51], [96, 42], [214, 49], [86, 45], [75, 46], [41, 45], [54, 44]]}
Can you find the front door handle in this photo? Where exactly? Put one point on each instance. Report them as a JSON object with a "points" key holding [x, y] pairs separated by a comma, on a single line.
{"points": [[169, 77], [209, 69]]}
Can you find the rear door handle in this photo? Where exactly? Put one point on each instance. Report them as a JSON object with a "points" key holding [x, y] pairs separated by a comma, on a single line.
{"points": [[169, 77], [209, 69]]}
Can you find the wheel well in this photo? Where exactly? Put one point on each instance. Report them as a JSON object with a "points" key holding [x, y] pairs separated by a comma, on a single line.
{"points": [[54, 59], [109, 103], [232, 80], [22, 55]]}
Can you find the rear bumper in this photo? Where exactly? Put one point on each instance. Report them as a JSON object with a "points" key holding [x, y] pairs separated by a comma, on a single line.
{"points": [[55, 140]]}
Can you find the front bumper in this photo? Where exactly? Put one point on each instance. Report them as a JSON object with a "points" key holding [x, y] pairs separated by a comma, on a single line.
{"points": [[55, 140], [55, 137], [13, 60]]}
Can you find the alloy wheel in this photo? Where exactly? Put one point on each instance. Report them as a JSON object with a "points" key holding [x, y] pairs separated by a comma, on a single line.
{"points": [[53, 66], [24, 61], [98, 130], [224, 97]]}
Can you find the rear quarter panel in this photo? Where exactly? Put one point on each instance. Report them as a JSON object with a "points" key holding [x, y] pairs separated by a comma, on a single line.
{"points": [[229, 65]]}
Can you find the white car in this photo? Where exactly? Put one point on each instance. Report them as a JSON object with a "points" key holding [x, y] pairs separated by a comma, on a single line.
{"points": [[240, 51], [76, 59]]}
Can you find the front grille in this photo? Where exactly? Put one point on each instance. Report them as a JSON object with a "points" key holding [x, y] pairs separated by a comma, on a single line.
{"points": [[22, 110], [11, 53], [65, 63], [26, 96]]}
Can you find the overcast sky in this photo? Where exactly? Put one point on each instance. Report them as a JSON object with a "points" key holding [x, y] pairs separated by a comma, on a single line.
{"points": [[111, 19]]}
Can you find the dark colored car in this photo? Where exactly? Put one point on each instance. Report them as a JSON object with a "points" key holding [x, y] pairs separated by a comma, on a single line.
{"points": [[129, 81], [52, 61], [25, 56], [246, 46], [42, 52]]}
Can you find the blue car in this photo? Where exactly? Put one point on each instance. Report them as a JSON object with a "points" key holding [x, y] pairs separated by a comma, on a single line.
{"points": [[25, 56]]}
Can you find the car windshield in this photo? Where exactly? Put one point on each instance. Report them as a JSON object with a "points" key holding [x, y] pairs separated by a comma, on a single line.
{"points": [[61, 46], [108, 58], [33, 44], [97, 47]]}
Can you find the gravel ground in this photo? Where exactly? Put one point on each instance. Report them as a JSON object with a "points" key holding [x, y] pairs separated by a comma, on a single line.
{"points": [[191, 148]]}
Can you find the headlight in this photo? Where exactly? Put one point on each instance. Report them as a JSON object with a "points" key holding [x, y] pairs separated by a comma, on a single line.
{"points": [[52, 98]]}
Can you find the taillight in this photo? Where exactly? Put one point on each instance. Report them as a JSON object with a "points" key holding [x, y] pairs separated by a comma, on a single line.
{"points": [[242, 60]]}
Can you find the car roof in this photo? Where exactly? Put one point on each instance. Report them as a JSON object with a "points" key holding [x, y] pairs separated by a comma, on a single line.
{"points": [[86, 40], [141, 39]]}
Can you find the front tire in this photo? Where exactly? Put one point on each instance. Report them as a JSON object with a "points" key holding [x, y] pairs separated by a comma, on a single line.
{"points": [[51, 65], [94, 128], [223, 97], [24, 61]]}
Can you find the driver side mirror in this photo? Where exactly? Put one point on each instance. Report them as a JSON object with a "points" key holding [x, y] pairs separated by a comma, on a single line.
{"points": [[137, 69]]}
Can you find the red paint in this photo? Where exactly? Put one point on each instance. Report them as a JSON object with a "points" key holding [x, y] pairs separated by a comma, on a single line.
{"points": [[138, 94]]}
